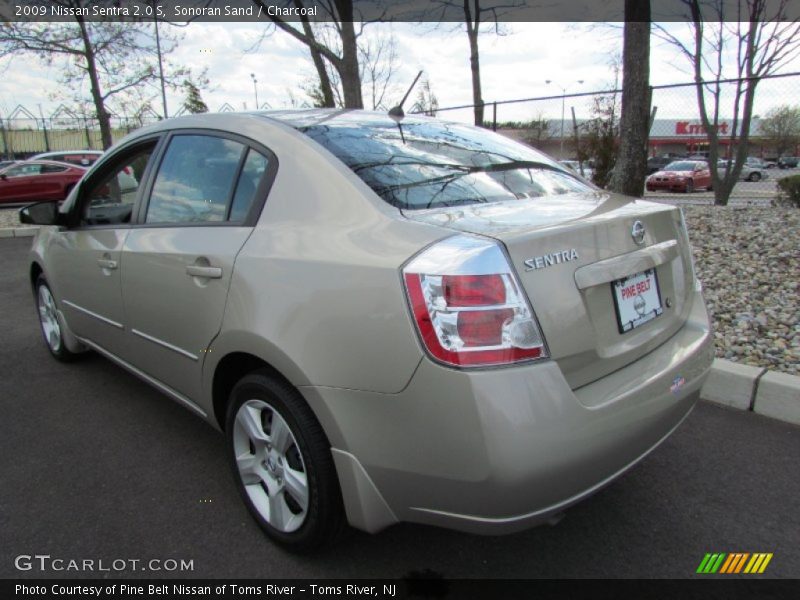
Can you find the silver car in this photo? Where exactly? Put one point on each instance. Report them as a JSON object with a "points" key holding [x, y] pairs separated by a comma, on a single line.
{"points": [[390, 319]]}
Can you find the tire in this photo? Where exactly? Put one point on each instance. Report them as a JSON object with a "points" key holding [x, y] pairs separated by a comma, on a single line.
{"points": [[306, 514], [754, 177], [689, 187], [49, 324]]}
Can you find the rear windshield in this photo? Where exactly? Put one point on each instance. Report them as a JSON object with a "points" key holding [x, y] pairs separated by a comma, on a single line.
{"points": [[429, 164]]}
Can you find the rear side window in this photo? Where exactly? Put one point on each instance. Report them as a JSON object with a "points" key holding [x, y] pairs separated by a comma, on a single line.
{"points": [[195, 181], [255, 165], [430, 164]]}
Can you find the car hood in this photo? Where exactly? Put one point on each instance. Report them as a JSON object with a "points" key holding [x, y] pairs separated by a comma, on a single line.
{"points": [[672, 174]]}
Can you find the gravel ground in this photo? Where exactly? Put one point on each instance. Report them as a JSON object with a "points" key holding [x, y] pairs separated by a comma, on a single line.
{"points": [[748, 259], [749, 262]]}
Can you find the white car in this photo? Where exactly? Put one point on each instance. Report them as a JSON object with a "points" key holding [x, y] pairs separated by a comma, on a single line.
{"points": [[749, 172]]}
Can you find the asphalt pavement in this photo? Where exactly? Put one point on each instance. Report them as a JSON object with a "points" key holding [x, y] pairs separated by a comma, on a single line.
{"points": [[97, 465]]}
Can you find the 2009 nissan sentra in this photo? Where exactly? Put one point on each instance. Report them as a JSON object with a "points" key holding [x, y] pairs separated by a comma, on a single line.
{"points": [[390, 319]]}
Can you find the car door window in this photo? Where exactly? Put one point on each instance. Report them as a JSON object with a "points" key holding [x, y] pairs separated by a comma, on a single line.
{"points": [[23, 170], [255, 165], [195, 181], [53, 169], [110, 200]]}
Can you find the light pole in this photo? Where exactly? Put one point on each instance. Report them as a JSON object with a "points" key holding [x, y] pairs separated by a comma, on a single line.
{"points": [[154, 4], [255, 87], [563, 100]]}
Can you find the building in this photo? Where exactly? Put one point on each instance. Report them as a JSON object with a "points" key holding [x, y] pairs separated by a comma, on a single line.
{"points": [[682, 137]]}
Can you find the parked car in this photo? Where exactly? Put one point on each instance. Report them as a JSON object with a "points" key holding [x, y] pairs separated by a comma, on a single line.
{"points": [[82, 158], [788, 162], [26, 181], [656, 163], [6, 163], [749, 172], [759, 163], [681, 176], [390, 319]]}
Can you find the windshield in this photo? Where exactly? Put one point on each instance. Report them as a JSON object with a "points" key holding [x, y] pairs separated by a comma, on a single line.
{"points": [[680, 166], [430, 164]]}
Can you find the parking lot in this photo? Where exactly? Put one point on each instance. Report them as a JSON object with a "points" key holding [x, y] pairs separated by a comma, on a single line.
{"points": [[98, 465]]}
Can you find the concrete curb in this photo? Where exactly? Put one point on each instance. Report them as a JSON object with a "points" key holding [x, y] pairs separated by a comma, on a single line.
{"points": [[769, 393], [8, 232]]}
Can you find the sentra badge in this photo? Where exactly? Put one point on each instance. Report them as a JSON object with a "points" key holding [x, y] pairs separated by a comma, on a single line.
{"points": [[548, 260]]}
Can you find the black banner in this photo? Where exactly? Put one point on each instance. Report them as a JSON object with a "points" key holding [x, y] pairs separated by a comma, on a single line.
{"points": [[377, 10], [423, 586]]}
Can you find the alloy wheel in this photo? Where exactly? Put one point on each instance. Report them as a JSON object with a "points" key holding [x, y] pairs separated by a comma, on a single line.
{"points": [[48, 318], [271, 465]]}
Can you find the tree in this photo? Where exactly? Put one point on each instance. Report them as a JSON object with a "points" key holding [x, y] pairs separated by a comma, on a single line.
{"points": [[193, 103], [599, 143], [762, 38], [426, 103], [534, 132], [113, 57], [345, 60], [377, 65], [630, 169], [475, 16], [781, 126]]}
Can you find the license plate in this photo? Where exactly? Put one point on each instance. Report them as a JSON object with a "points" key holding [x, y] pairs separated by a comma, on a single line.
{"points": [[637, 300]]}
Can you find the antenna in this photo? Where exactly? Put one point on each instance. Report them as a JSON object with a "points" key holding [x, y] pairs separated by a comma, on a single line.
{"points": [[397, 111]]}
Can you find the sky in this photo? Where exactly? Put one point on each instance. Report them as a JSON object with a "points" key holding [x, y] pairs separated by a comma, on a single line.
{"points": [[515, 65]]}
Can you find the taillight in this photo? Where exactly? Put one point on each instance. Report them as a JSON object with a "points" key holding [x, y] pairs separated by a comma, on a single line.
{"points": [[468, 306]]}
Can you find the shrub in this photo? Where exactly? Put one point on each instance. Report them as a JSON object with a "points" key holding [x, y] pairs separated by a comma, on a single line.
{"points": [[789, 191]]}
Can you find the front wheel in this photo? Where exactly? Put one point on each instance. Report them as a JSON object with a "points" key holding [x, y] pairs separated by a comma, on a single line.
{"points": [[49, 323], [282, 463], [754, 177]]}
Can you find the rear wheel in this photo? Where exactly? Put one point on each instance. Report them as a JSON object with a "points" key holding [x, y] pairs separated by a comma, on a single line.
{"points": [[49, 323], [282, 463], [756, 176]]}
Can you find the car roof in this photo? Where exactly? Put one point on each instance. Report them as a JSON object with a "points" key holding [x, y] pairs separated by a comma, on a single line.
{"points": [[299, 118], [45, 155], [49, 162], [294, 118]]}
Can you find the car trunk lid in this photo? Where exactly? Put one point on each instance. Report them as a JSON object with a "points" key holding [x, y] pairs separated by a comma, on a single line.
{"points": [[568, 251]]}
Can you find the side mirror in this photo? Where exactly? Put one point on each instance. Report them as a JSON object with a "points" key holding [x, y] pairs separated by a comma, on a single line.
{"points": [[3, 176], [41, 213]]}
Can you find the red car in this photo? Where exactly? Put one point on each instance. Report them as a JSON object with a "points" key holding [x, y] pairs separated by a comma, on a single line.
{"points": [[30, 181], [681, 176]]}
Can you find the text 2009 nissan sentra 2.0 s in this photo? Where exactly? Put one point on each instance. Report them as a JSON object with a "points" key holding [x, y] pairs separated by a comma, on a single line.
{"points": [[391, 319]]}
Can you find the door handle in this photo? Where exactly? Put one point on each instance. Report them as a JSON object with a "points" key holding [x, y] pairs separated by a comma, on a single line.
{"points": [[207, 272], [107, 263]]}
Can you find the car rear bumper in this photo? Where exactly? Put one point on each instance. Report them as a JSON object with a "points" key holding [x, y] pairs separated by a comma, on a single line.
{"points": [[500, 450]]}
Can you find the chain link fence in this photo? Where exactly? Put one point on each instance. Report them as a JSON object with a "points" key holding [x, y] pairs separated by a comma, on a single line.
{"points": [[21, 137]]}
